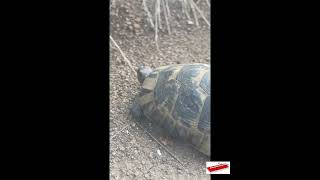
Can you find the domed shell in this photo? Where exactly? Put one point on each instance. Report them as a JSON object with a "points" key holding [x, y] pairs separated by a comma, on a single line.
{"points": [[178, 98]]}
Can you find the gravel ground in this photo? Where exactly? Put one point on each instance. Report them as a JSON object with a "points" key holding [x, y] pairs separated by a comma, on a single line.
{"points": [[133, 153]]}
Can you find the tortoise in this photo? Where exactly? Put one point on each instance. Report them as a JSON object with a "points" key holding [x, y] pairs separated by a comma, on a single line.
{"points": [[177, 97]]}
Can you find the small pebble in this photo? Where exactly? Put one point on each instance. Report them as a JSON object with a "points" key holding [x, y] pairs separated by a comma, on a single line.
{"points": [[159, 153], [190, 22], [136, 26]]}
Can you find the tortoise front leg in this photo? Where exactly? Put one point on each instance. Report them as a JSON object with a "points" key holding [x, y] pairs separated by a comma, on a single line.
{"points": [[136, 109]]}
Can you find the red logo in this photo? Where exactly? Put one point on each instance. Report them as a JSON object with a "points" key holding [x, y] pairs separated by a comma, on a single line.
{"points": [[217, 167]]}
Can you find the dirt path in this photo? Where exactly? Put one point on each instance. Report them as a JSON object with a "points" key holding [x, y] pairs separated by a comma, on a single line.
{"points": [[134, 155]]}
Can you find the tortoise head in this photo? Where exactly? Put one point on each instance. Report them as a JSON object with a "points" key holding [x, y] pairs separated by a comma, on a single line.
{"points": [[143, 72]]}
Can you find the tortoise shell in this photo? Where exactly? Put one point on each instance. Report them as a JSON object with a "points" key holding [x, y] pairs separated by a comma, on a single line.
{"points": [[178, 98]]}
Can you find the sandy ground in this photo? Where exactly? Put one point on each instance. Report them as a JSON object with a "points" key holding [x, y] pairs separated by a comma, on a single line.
{"points": [[133, 153]]}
